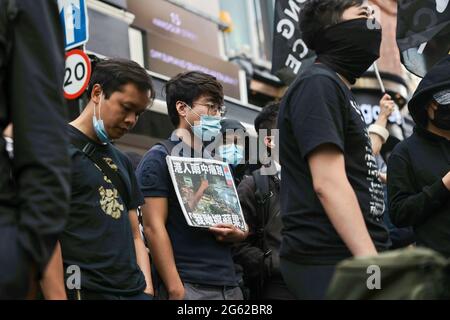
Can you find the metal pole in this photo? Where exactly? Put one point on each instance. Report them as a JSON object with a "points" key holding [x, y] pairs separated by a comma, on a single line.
{"points": [[80, 104], [380, 81], [377, 73]]}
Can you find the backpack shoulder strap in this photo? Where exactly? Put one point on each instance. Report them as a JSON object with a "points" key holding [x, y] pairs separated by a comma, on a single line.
{"points": [[262, 186], [262, 195], [167, 144], [90, 151]]}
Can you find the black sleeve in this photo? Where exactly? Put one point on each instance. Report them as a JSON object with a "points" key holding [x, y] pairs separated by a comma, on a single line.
{"points": [[41, 160], [246, 253], [409, 206], [317, 114]]}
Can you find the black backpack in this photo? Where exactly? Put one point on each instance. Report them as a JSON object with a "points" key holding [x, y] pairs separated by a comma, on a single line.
{"points": [[262, 196]]}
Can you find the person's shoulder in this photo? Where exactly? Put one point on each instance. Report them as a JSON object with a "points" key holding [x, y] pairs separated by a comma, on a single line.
{"points": [[323, 83], [76, 138], [121, 156], [401, 150], [316, 80], [74, 134], [247, 184], [157, 151], [155, 157], [319, 73]]}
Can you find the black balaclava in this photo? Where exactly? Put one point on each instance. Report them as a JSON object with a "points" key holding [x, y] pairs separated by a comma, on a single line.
{"points": [[349, 47]]}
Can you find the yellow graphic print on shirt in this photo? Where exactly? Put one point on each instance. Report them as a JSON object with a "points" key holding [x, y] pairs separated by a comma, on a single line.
{"points": [[109, 198], [109, 202], [111, 164]]}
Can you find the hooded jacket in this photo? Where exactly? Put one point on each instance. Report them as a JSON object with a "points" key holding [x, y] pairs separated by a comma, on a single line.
{"points": [[417, 195]]}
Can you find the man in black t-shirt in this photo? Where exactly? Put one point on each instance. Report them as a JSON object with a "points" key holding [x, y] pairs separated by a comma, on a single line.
{"points": [[101, 246], [191, 263], [331, 198]]}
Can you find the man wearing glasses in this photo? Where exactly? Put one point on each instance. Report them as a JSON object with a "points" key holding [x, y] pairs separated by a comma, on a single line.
{"points": [[192, 263]]}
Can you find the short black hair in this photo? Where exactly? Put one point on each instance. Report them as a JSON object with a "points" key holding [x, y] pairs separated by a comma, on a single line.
{"points": [[113, 74], [316, 15], [267, 118], [189, 86]]}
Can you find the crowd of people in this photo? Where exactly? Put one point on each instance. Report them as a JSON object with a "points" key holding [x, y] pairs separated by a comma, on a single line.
{"points": [[69, 197]]}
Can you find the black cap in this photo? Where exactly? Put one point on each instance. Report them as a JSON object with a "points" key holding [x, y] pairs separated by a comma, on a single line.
{"points": [[231, 124], [436, 80], [442, 97]]}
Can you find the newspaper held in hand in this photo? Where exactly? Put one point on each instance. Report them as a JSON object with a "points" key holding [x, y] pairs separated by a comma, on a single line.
{"points": [[206, 192]]}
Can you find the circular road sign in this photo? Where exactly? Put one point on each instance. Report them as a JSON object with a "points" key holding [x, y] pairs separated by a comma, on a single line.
{"points": [[77, 74]]}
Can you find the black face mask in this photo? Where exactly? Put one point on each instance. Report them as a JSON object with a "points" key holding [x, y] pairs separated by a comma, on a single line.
{"points": [[349, 47], [442, 117]]}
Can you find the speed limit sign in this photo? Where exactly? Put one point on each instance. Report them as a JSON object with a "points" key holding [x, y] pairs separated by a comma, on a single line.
{"points": [[77, 74]]}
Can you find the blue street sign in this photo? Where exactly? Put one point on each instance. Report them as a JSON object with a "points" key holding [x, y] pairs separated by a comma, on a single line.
{"points": [[74, 18]]}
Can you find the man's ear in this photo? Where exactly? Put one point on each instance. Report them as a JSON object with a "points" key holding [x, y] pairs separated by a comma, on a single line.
{"points": [[96, 93], [181, 108], [268, 142]]}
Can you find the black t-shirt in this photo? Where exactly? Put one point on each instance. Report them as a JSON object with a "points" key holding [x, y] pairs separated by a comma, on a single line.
{"points": [[199, 257], [319, 109], [98, 236]]}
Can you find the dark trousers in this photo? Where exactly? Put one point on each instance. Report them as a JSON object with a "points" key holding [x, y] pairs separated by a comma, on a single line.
{"points": [[15, 266], [193, 291], [276, 289], [307, 282], [92, 295]]}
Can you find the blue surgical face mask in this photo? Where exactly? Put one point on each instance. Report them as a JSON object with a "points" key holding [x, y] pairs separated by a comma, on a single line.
{"points": [[231, 153], [99, 126], [208, 128]]}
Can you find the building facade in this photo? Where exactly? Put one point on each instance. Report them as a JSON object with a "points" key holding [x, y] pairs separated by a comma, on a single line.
{"points": [[231, 39]]}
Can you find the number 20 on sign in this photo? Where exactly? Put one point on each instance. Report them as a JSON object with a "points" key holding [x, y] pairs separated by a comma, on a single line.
{"points": [[77, 74]]}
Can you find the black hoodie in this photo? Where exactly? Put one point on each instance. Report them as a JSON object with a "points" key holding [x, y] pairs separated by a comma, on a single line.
{"points": [[417, 195]]}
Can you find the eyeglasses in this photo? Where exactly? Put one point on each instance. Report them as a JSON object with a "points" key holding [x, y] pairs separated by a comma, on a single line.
{"points": [[213, 108]]}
